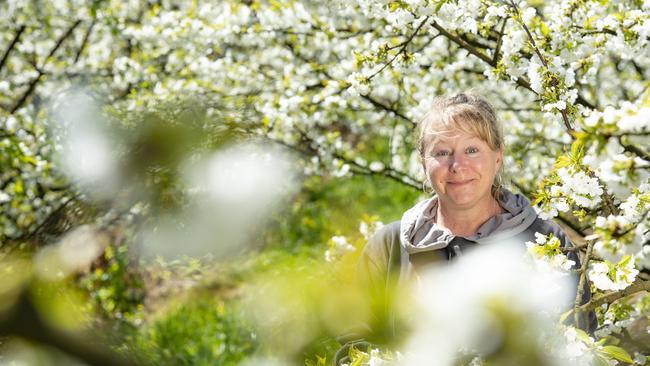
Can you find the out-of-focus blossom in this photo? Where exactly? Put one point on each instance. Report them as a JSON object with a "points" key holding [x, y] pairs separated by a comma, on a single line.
{"points": [[473, 292]]}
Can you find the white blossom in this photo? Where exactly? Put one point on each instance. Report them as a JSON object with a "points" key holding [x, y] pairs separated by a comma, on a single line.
{"points": [[606, 276], [338, 246]]}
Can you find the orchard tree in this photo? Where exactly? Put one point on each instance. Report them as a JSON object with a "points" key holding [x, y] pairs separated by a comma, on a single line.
{"points": [[343, 84]]}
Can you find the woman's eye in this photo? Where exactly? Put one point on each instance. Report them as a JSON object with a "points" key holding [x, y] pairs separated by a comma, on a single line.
{"points": [[441, 153], [471, 150]]}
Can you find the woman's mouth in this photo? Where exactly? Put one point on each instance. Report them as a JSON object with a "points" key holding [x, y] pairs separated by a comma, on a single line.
{"points": [[459, 183]]}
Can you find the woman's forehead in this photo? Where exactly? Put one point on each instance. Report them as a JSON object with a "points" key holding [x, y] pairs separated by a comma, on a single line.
{"points": [[452, 136]]}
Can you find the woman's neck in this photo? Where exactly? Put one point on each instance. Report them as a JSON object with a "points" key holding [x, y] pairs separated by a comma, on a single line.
{"points": [[466, 222]]}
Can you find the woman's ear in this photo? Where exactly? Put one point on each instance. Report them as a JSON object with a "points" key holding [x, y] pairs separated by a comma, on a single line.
{"points": [[499, 158]]}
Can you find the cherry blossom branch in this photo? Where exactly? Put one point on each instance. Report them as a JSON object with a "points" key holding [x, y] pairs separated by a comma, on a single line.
{"points": [[459, 41], [34, 232], [32, 85], [393, 174], [521, 81], [634, 149], [367, 97], [84, 42], [402, 49], [387, 108], [609, 297], [565, 117], [496, 57], [578, 230], [11, 46], [387, 172], [632, 227], [581, 282]]}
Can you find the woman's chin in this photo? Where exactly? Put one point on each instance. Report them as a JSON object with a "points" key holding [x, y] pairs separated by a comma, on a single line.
{"points": [[458, 201]]}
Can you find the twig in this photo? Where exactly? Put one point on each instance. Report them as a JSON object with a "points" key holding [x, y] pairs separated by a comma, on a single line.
{"points": [[402, 49], [495, 59], [581, 283], [58, 210], [13, 43], [609, 297], [521, 81], [84, 42], [565, 117], [634, 149], [32, 85], [361, 169], [379, 104], [463, 44], [632, 227]]}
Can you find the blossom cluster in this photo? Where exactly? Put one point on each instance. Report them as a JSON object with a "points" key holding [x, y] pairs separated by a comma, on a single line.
{"points": [[547, 253], [574, 187], [613, 276]]}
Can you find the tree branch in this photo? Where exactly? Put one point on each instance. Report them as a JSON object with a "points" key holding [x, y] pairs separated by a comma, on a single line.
{"points": [[387, 108], [54, 213], [634, 149], [402, 49], [496, 57], [565, 117], [609, 297], [463, 44], [14, 41], [581, 283], [521, 81], [32, 85], [84, 42]]}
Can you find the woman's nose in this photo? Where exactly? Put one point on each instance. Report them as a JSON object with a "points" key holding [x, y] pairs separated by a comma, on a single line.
{"points": [[456, 163]]}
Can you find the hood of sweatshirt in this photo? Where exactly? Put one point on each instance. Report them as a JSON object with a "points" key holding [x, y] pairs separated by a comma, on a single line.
{"points": [[419, 231]]}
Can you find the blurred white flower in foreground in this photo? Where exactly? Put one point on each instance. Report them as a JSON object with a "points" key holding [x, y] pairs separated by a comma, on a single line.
{"points": [[232, 195], [74, 253], [491, 302], [87, 154]]}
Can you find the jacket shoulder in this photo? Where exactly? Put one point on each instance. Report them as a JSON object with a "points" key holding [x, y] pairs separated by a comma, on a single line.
{"points": [[381, 246], [384, 237]]}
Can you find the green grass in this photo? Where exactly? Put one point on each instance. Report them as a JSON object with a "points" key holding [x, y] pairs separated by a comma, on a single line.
{"points": [[203, 331]]}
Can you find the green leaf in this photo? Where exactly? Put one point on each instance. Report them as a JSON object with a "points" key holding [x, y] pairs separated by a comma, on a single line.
{"points": [[578, 146], [618, 353], [18, 187], [624, 262], [394, 5], [562, 162], [546, 32], [600, 361]]}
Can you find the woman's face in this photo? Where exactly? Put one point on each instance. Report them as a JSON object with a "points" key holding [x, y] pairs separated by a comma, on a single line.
{"points": [[462, 168]]}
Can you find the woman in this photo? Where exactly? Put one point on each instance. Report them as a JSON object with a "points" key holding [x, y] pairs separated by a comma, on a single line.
{"points": [[461, 147]]}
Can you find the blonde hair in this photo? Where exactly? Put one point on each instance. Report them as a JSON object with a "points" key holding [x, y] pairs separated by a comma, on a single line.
{"points": [[467, 112]]}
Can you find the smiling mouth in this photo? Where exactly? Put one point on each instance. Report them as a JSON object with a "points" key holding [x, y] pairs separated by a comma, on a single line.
{"points": [[460, 182]]}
